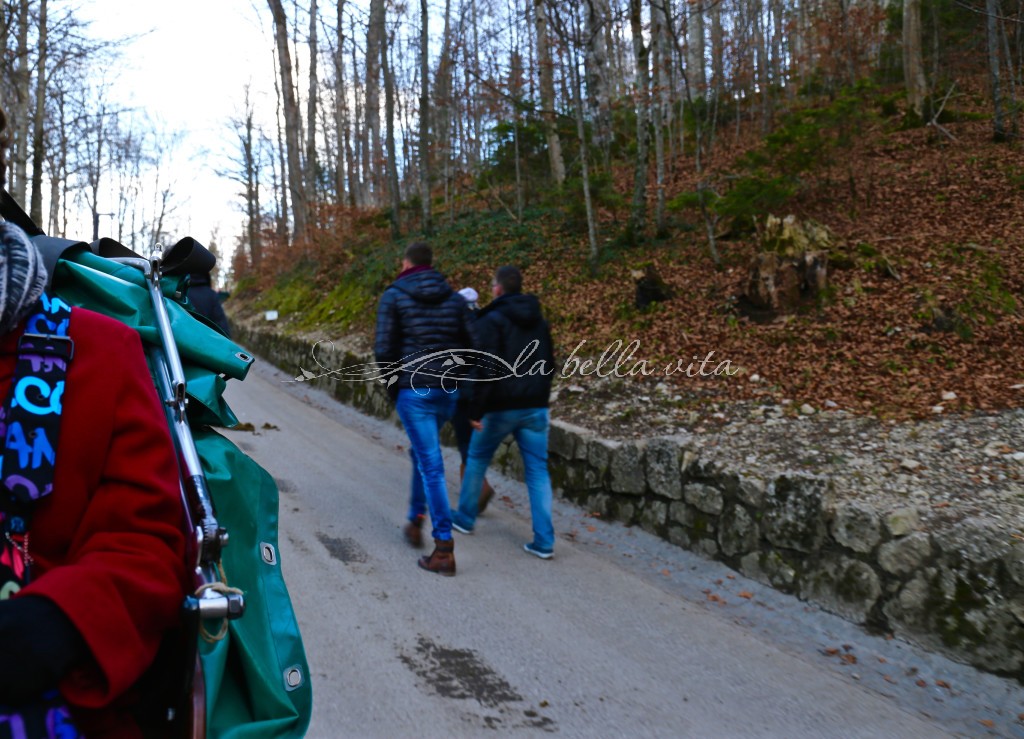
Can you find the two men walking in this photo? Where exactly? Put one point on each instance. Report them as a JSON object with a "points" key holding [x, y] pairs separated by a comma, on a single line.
{"points": [[421, 324]]}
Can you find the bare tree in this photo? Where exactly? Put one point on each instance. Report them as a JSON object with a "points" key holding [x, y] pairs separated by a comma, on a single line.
{"points": [[992, 14], [371, 149], [569, 31], [547, 92], [913, 61], [428, 226], [641, 54], [18, 115], [292, 124], [311, 108], [597, 68], [38, 155], [392, 164]]}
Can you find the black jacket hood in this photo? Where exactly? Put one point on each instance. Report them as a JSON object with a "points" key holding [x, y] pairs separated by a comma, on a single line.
{"points": [[522, 309], [429, 286]]}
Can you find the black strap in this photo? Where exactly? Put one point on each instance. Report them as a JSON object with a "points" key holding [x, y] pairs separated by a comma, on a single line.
{"points": [[11, 211], [33, 412], [33, 418]]}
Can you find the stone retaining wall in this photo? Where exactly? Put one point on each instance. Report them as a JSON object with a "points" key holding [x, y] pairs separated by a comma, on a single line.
{"points": [[959, 591]]}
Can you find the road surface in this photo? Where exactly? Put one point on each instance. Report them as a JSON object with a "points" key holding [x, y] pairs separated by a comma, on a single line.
{"points": [[620, 634]]}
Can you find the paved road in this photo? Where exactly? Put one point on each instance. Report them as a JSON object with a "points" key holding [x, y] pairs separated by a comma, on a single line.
{"points": [[619, 635]]}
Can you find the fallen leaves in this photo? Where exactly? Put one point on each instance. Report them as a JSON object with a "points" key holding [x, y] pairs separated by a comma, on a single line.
{"points": [[745, 594]]}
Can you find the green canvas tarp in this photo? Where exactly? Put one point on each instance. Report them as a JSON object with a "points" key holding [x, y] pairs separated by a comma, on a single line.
{"points": [[257, 679]]}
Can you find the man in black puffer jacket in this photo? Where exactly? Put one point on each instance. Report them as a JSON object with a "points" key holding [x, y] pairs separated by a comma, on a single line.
{"points": [[421, 326], [510, 396]]}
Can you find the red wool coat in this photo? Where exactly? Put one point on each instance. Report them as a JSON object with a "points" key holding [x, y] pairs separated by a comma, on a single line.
{"points": [[107, 543]]}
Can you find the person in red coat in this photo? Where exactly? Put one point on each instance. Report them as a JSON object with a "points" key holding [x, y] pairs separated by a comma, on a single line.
{"points": [[106, 547]]}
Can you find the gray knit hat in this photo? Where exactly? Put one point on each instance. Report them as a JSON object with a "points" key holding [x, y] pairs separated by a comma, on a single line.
{"points": [[22, 276]]}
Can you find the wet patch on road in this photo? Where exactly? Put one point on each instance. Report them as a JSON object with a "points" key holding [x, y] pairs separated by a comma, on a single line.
{"points": [[345, 550], [461, 674]]}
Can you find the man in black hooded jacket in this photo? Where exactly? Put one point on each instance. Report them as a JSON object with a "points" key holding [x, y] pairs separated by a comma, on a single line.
{"points": [[421, 325], [511, 396]]}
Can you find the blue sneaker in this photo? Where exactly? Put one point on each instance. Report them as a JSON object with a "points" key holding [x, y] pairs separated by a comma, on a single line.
{"points": [[538, 552], [461, 529]]}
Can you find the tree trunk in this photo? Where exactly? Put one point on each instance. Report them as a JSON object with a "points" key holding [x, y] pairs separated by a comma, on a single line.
{"points": [[372, 150], [545, 71], [595, 62], [581, 133], [695, 48], [913, 63], [281, 188], [663, 109], [428, 225], [340, 106], [358, 137], [292, 124], [992, 11], [392, 164], [18, 116], [311, 106], [38, 153], [444, 105], [641, 53]]}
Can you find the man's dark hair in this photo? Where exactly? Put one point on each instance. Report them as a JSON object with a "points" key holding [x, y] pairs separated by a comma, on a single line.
{"points": [[419, 254], [510, 279]]}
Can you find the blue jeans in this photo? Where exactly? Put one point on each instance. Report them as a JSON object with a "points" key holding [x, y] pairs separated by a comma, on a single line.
{"points": [[423, 413], [529, 427]]}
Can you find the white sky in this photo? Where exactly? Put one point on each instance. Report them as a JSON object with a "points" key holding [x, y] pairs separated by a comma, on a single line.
{"points": [[188, 72]]}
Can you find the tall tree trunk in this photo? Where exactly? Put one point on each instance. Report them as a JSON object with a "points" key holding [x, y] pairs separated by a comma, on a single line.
{"points": [[311, 106], [392, 164], [913, 63], [58, 157], [340, 106], [663, 103], [38, 153], [356, 168], [280, 187], [250, 164], [641, 52], [695, 48], [292, 124], [372, 158], [18, 116], [425, 113], [595, 62], [717, 51], [471, 97], [992, 13], [444, 106], [545, 72], [762, 65]]}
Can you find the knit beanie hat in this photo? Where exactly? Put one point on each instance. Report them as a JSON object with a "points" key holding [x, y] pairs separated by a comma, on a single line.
{"points": [[22, 276]]}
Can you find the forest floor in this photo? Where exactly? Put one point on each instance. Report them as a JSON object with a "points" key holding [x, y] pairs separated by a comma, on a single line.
{"points": [[922, 316]]}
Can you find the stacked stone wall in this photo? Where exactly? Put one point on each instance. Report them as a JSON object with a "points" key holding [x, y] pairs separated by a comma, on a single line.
{"points": [[958, 590]]}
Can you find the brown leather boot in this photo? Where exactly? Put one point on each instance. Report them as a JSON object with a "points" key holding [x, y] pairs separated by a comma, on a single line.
{"points": [[441, 560], [413, 533]]}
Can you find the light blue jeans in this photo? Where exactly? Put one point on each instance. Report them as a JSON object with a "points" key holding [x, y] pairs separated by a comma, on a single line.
{"points": [[529, 427], [423, 413]]}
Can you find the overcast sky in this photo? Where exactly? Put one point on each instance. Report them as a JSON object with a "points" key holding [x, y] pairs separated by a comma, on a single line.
{"points": [[188, 71]]}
